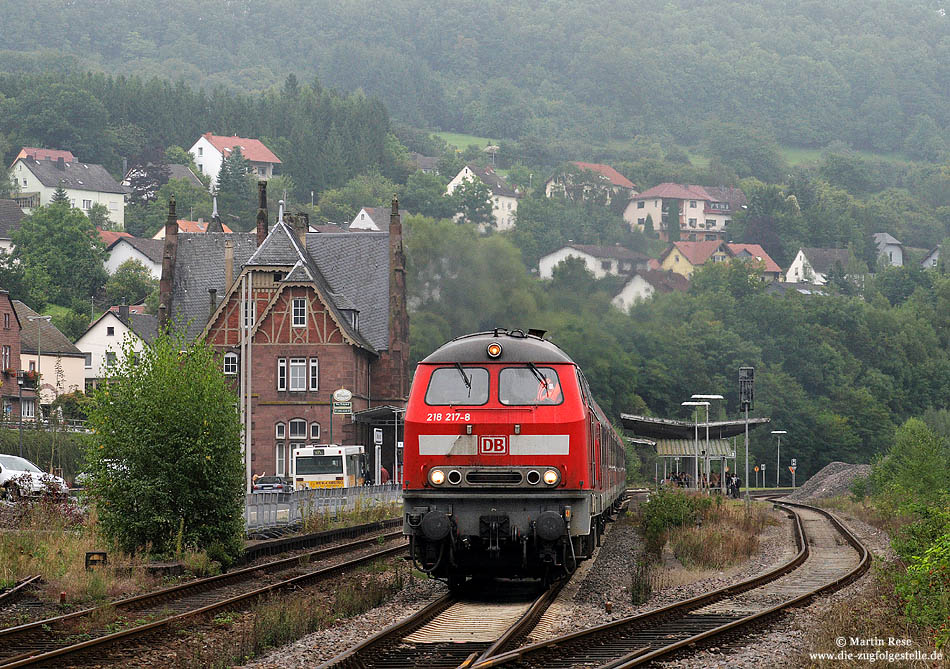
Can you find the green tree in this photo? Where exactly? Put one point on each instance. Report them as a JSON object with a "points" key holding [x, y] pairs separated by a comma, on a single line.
{"points": [[61, 255], [99, 216], [748, 151], [367, 190], [59, 196], [165, 463], [235, 191], [472, 200], [425, 194], [131, 283]]}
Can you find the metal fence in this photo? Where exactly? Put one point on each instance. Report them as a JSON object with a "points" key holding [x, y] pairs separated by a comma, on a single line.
{"points": [[264, 510]]}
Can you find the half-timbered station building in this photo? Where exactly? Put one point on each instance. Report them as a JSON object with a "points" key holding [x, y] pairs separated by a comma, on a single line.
{"points": [[297, 315]]}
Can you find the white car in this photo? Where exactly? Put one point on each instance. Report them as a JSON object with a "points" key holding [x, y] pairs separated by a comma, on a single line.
{"points": [[19, 476]]}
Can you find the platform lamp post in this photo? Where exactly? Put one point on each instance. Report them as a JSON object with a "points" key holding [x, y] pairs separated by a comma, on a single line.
{"points": [[39, 359], [778, 456], [696, 426], [706, 459]]}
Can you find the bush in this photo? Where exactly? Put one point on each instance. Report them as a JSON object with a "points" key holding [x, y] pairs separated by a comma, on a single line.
{"points": [[665, 510], [165, 464]]}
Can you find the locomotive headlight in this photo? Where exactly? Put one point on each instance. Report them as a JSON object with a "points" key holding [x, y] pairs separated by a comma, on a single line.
{"points": [[551, 476], [494, 350], [437, 477]]}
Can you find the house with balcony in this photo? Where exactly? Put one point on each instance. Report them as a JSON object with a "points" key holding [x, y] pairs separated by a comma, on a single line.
{"points": [[17, 385], [209, 152], [701, 212], [85, 184], [46, 351], [685, 257]]}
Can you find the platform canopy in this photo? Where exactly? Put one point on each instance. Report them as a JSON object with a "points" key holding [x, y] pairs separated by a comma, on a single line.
{"points": [[686, 448], [665, 428]]}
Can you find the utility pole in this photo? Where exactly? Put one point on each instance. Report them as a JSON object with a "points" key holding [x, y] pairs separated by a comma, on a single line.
{"points": [[746, 396]]}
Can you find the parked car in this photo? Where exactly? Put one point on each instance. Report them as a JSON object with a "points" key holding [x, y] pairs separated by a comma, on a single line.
{"points": [[272, 484], [19, 476]]}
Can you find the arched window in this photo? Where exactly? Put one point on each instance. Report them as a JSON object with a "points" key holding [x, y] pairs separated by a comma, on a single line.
{"points": [[298, 428], [314, 430], [230, 363], [279, 431]]}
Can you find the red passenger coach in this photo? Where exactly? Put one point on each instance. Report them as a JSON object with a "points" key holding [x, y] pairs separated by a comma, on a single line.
{"points": [[511, 468]]}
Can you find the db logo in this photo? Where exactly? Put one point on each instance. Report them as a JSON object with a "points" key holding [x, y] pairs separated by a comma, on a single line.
{"points": [[493, 445]]}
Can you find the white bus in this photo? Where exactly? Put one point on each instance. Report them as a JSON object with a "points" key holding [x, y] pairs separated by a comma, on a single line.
{"points": [[328, 466]]}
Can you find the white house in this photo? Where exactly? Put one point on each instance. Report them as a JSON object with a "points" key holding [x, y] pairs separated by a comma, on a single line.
{"points": [[85, 185], [504, 199], [44, 348], [373, 219], [599, 260], [146, 251], [889, 248], [813, 265], [931, 259], [643, 284], [702, 212], [101, 343], [211, 150]]}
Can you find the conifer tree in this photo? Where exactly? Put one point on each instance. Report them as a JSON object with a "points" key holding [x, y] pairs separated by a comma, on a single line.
{"points": [[235, 192], [59, 195]]}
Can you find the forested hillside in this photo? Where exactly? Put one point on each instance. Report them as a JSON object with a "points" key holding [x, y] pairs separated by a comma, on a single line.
{"points": [[807, 71]]}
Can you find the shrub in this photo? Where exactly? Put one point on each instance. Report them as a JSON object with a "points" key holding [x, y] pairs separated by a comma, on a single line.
{"points": [[667, 509]]}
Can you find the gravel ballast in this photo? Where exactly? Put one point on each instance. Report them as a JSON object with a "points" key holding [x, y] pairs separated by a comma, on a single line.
{"points": [[833, 480]]}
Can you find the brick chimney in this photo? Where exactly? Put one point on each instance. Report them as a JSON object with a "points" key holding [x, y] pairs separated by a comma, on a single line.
{"points": [[228, 263], [398, 312], [124, 312], [167, 282], [261, 212], [301, 225]]}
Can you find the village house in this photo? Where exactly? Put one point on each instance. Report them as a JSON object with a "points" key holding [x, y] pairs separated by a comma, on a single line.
{"points": [[10, 217], [599, 260], [931, 258], [144, 250], [889, 249], [611, 183], [296, 315], [643, 284], [210, 151], [504, 199], [813, 265], [685, 257], [46, 154], [425, 164], [374, 219], [101, 343], [85, 185], [47, 351], [17, 393], [702, 212]]}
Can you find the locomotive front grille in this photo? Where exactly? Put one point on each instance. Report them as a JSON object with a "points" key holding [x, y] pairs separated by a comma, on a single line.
{"points": [[493, 477]]}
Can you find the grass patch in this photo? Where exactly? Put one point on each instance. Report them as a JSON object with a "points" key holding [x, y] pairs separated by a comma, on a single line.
{"points": [[462, 141], [726, 535], [320, 520]]}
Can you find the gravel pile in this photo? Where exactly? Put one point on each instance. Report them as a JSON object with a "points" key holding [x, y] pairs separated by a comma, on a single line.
{"points": [[833, 480]]}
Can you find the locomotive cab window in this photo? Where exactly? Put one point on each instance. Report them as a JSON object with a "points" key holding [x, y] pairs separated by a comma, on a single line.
{"points": [[529, 385], [458, 385]]}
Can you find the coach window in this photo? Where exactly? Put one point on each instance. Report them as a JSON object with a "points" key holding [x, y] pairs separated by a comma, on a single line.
{"points": [[529, 385], [458, 385]]}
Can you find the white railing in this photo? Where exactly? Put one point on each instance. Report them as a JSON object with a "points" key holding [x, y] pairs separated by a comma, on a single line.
{"points": [[264, 510], [61, 425]]}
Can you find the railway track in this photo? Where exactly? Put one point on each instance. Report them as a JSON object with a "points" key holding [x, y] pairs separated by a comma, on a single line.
{"points": [[455, 630], [829, 556], [48, 641], [14, 593]]}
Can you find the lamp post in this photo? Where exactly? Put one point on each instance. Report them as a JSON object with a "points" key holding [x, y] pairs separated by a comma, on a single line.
{"points": [[778, 455], [706, 459], [696, 426], [39, 362]]}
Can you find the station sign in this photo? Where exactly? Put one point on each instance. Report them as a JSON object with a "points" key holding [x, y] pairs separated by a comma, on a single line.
{"points": [[342, 408], [792, 469], [377, 435]]}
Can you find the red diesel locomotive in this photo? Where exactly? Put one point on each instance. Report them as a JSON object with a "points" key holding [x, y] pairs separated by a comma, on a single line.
{"points": [[511, 468]]}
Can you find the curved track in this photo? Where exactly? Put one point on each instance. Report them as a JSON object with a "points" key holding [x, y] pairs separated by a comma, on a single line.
{"points": [[47, 641], [829, 557]]}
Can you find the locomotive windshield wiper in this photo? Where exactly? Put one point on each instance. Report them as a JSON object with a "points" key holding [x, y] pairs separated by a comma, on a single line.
{"points": [[537, 373], [468, 381]]}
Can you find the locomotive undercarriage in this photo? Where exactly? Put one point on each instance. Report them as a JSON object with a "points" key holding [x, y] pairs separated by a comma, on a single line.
{"points": [[492, 535]]}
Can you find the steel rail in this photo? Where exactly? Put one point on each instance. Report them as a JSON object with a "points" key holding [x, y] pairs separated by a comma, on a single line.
{"points": [[646, 653], [16, 591], [149, 628]]}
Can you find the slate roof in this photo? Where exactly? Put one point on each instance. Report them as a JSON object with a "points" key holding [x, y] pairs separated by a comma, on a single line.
{"points": [[40, 333], [78, 176], [734, 197], [494, 182], [145, 326], [378, 215], [664, 281], [606, 171], [10, 217], [618, 252], [822, 260], [199, 266], [424, 162], [176, 171], [675, 192], [252, 149], [150, 248], [882, 239]]}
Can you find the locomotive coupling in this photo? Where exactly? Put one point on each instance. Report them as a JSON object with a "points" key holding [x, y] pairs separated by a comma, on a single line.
{"points": [[436, 526]]}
